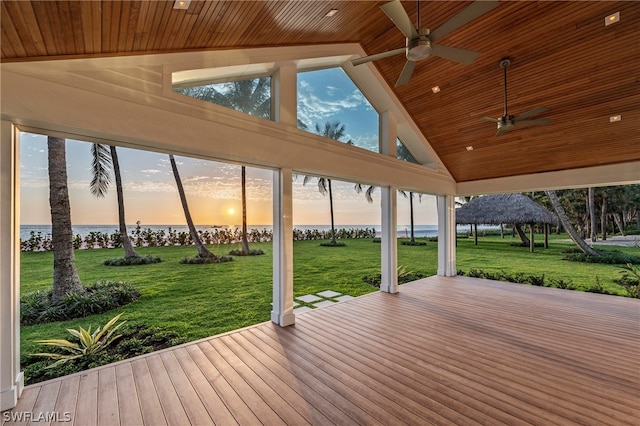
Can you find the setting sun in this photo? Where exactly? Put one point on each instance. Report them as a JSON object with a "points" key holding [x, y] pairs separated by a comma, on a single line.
{"points": [[231, 211]]}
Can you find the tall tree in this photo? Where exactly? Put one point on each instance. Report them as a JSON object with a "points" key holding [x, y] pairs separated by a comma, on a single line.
{"points": [[573, 234], [105, 158], [65, 274], [252, 97], [202, 250], [592, 214], [332, 130], [410, 197]]}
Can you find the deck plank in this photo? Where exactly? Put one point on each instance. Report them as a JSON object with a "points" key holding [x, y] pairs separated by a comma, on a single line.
{"points": [[108, 410], [67, 400], [150, 407], [128, 401], [87, 408], [443, 351]]}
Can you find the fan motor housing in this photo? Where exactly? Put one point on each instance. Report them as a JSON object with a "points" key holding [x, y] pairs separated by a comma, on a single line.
{"points": [[506, 121], [418, 48]]}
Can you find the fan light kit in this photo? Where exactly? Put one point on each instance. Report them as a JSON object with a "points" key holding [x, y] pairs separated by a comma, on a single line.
{"points": [[508, 122], [419, 42]]}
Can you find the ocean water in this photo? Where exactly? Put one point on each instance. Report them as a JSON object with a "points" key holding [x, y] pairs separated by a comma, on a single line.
{"points": [[84, 230]]}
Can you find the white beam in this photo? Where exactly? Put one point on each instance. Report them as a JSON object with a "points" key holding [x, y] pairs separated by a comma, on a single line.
{"points": [[446, 235], [11, 378], [180, 125], [285, 89], [610, 175], [282, 312]]}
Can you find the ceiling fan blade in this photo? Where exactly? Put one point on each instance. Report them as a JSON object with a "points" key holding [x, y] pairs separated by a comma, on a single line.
{"points": [[531, 113], [406, 73], [454, 54], [501, 131], [494, 120], [398, 15], [378, 56], [539, 122], [471, 12]]}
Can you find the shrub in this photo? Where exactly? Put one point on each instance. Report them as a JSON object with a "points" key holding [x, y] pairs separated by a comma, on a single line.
{"points": [[137, 339], [598, 288], [251, 252], [87, 343], [404, 276], [37, 308], [415, 243], [610, 257], [563, 284], [129, 261], [630, 280], [197, 260], [332, 244]]}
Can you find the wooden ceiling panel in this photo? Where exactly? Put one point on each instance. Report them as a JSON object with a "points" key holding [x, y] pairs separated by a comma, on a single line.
{"points": [[564, 58]]}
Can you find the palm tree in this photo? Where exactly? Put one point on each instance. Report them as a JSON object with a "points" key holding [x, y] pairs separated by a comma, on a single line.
{"points": [[103, 160], [573, 234], [412, 241], [202, 250], [252, 97], [65, 274], [332, 130]]}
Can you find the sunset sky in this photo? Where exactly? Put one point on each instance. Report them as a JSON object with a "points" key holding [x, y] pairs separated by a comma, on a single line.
{"points": [[213, 188]]}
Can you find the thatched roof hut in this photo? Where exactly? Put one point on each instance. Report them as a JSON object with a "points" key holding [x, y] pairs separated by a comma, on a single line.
{"points": [[503, 208], [517, 209]]}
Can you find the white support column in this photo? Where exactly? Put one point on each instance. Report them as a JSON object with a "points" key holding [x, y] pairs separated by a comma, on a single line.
{"points": [[11, 378], [282, 312], [285, 96], [389, 234], [446, 236], [389, 281]]}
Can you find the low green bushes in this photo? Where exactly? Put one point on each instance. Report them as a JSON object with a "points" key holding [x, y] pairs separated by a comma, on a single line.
{"points": [[130, 261], [251, 252], [609, 257], [197, 260], [37, 308], [133, 340]]}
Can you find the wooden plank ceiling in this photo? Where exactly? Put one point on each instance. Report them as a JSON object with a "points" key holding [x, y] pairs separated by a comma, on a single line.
{"points": [[564, 58]]}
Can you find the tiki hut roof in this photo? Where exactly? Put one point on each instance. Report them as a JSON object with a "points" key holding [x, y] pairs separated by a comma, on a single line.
{"points": [[504, 208]]}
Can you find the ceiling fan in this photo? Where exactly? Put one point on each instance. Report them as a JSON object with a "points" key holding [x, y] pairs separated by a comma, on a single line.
{"points": [[508, 122], [419, 44]]}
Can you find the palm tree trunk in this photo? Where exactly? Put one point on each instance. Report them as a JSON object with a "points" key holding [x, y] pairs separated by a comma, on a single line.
{"points": [[603, 217], [129, 251], [592, 215], [523, 237], [65, 274], [245, 242], [202, 250], [413, 240], [333, 229], [573, 234]]}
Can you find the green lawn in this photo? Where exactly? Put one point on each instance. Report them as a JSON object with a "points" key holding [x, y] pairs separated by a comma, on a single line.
{"points": [[203, 300]]}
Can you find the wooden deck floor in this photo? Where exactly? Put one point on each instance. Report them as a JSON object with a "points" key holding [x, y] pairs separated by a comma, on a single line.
{"points": [[443, 351]]}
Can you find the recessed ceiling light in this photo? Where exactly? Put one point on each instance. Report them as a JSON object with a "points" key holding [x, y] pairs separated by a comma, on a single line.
{"points": [[615, 118], [181, 4], [331, 13], [469, 148], [435, 89], [612, 19]]}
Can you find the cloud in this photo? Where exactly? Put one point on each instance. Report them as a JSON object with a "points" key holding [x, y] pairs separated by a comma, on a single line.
{"points": [[313, 109], [150, 171]]}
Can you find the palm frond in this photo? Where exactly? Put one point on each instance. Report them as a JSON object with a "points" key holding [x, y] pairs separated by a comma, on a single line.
{"points": [[100, 169]]}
